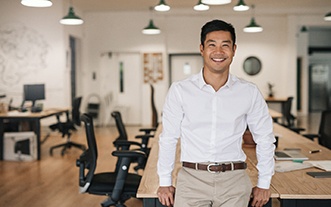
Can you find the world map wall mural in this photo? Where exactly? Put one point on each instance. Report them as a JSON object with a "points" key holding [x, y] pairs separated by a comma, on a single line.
{"points": [[22, 51]]}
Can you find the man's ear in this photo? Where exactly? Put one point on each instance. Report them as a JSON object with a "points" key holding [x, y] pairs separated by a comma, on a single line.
{"points": [[234, 49], [201, 49]]}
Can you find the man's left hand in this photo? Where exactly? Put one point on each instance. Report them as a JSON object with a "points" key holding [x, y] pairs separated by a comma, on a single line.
{"points": [[260, 197]]}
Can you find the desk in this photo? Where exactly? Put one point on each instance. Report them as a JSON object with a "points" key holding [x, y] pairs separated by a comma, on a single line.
{"points": [[296, 188], [150, 181], [30, 117], [279, 101]]}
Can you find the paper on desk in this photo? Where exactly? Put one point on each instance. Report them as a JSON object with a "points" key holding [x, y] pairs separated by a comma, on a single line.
{"points": [[322, 164], [286, 166]]}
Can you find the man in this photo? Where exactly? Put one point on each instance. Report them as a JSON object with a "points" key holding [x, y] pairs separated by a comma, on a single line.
{"points": [[210, 111]]}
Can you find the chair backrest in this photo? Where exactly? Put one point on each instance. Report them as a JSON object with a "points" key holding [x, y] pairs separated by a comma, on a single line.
{"points": [[155, 121], [120, 125], [75, 113], [325, 129], [88, 160], [286, 110]]}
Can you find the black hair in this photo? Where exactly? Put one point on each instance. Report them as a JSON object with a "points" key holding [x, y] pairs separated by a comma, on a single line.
{"points": [[217, 25]]}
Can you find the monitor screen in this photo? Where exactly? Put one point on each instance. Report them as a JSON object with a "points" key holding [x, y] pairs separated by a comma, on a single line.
{"points": [[33, 92]]}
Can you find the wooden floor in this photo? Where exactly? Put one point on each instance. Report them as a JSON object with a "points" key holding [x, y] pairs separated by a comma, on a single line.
{"points": [[53, 181]]}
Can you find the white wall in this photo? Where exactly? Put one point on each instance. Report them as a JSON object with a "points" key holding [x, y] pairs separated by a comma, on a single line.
{"points": [[34, 50]]}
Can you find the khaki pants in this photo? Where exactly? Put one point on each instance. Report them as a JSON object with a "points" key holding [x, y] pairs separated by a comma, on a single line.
{"points": [[198, 188]]}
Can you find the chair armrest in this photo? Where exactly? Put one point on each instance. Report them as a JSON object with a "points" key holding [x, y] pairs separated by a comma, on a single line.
{"points": [[129, 153], [125, 144], [311, 136]]}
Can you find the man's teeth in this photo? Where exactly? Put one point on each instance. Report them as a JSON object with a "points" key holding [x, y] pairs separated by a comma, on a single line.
{"points": [[218, 59]]}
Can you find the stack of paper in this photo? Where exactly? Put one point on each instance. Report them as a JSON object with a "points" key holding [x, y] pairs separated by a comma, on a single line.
{"points": [[285, 166], [322, 164]]}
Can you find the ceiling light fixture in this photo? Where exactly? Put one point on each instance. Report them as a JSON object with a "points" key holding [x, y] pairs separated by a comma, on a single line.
{"points": [[151, 29], [327, 17], [162, 6], [71, 18], [37, 3], [216, 2], [241, 6], [201, 6], [253, 27]]}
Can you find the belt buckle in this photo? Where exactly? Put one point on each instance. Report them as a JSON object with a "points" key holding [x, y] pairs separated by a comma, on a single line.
{"points": [[213, 164]]}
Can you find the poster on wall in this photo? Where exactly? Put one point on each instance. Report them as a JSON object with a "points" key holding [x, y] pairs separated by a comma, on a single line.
{"points": [[153, 69]]}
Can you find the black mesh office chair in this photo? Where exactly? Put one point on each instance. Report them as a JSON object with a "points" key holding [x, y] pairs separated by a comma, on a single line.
{"points": [[123, 135], [324, 131], [67, 127], [119, 185], [288, 118], [122, 142]]}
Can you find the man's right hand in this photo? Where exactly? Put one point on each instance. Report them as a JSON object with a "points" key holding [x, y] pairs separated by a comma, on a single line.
{"points": [[166, 195]]}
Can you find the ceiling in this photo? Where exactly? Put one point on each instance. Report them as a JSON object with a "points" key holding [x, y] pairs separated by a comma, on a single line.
{"points": [[180, 6]]}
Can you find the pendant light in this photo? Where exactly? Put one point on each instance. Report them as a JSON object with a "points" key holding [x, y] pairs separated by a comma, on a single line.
{"points": [[37, 3], [162, 6], [151, 29], [216, 2], [327, 17], [241, 6], [201, 6], [253, 27], [71, 18]]}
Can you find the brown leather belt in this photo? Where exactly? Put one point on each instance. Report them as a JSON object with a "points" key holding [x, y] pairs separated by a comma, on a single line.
{"points": [[216, 167]]}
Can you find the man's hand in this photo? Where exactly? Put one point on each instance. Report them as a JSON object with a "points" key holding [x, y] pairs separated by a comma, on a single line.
{"points": [[166, 195], [260, 197]]}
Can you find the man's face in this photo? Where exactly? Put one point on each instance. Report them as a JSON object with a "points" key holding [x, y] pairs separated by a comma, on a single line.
{"points": [[218, 51]]}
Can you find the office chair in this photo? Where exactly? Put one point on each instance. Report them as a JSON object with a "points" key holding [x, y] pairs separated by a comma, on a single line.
{"points": [[67, 127], [122, 142], [123, 135], [119, 185], [324, 131], [288, 117]]}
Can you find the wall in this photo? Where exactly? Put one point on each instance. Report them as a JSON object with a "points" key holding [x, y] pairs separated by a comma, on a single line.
{"points": [[34, 49]]}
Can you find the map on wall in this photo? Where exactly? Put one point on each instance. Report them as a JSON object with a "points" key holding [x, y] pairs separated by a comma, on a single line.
{"points": [[153, 70], [22, 51]]}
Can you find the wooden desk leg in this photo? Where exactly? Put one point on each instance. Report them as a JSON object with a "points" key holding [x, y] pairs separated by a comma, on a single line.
{"points": [[37, 131], [152, 202], [2, 129]]}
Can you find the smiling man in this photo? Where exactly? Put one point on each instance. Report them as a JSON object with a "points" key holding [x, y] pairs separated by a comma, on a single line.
{"points": [[210, 112]]}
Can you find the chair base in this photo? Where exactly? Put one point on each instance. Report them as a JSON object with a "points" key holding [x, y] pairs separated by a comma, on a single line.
{"points": [[66, 146]]}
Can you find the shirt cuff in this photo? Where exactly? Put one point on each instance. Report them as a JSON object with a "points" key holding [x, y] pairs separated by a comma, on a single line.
{"points": [[165, 181], [263, 183]]}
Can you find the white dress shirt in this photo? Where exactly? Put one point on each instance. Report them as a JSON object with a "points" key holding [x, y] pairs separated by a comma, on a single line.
{"points": [[211, 125]]}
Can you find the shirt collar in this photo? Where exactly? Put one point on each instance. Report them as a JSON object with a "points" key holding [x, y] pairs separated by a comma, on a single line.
{"points": [[201, 81]]}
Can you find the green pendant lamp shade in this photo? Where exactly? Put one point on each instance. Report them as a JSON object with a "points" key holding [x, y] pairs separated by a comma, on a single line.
{"points": [[162, 6], [241, 6], [253, 27], [151, 29], [327, 17], [37, 3], [71, 18]]}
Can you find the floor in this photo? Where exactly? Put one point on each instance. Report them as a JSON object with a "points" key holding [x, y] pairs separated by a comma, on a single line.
{"points": [[53, 181]]}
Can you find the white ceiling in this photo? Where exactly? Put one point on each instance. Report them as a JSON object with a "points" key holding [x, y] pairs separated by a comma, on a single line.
{"points": [[179, 6]]}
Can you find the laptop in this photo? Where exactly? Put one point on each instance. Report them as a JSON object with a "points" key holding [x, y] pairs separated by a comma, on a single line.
{"points": [[289, 155]]}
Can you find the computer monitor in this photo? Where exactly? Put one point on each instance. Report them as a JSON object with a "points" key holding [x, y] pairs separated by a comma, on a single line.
{"points": [[33, 92]]}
